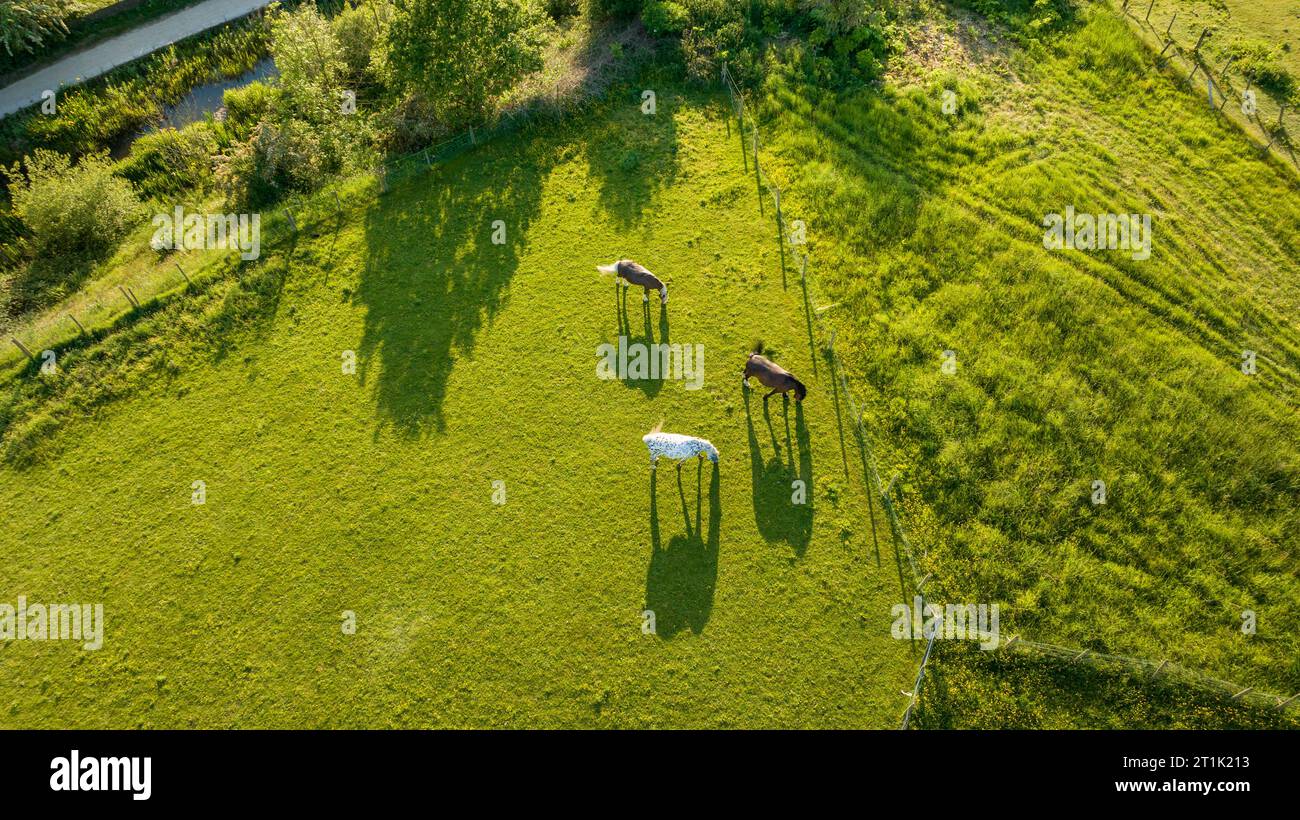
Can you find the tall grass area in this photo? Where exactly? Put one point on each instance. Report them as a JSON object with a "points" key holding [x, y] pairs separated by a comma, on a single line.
{"points": [[927, 231]]}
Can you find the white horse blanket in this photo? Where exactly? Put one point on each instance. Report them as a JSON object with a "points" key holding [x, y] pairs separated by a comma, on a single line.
{"points": [[678, 447]]}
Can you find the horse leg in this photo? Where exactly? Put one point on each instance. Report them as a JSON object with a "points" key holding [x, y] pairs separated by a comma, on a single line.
{"points": [[769, 395]]}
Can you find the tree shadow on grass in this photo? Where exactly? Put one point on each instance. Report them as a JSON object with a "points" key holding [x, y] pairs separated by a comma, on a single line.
{"points": [[433, 275], [631, 156], [777, 516], [682, 577]]}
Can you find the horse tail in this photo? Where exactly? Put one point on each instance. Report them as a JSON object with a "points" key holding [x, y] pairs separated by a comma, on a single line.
{"points": [[799, 390], [610, 269]]}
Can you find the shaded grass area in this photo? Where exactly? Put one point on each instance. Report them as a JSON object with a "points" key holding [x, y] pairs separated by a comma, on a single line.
{"points": [[371, 493], [1072, 367]]}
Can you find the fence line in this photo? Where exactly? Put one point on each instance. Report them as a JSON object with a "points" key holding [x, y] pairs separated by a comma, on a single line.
{"points": [[838, 380], [897, 531], [1139, 14]]}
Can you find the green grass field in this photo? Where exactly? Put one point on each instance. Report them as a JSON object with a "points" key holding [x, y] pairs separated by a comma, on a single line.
{"points": [[1073, 366], [372, 493]]}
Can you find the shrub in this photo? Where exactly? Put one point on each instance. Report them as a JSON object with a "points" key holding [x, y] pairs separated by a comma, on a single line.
{"points": [[664, 17], [170, 161], [311, 63], [28, 26], [279, 158], [1258, 60], [246, 106], [72, 211], [359, 32]]}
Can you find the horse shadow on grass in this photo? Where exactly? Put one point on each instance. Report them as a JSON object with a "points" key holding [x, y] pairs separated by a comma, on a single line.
{"points": [[683, 576], [776, 514], [434, 276], [649, 386]]}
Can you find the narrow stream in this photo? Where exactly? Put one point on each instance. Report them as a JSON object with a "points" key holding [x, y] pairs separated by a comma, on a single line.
{"points": [[200, 101]]}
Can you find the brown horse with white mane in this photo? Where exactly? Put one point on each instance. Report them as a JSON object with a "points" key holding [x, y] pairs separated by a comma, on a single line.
{"points": [[633, 274], [771, 374]]}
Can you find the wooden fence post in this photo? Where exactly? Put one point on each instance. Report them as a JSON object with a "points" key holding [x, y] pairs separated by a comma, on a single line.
{"points": [[75, 322], [293, 224], [1147, 19], [23, 348], [184, 274]]}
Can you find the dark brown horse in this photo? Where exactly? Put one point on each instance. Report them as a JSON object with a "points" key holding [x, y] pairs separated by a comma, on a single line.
{"points": [[633, 274], [770, 374]]}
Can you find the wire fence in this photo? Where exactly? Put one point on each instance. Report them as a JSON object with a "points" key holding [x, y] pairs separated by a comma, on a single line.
{"points": [[1267, 120], [751, 146], [885, 492]]}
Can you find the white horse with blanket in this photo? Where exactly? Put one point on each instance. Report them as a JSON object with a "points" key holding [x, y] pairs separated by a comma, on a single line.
{"points": [[677, 447]]}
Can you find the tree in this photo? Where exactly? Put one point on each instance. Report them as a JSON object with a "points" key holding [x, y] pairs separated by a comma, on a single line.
{"points": [[310, 62], [461, 54]]}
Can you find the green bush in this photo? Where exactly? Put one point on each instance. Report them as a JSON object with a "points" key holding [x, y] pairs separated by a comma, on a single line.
{"points": [[167, 162], [280, 158], [1258, 60], [360, 32], [26, 27], [79, 211], [462, 55], [664, 17], [247, 106]]}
